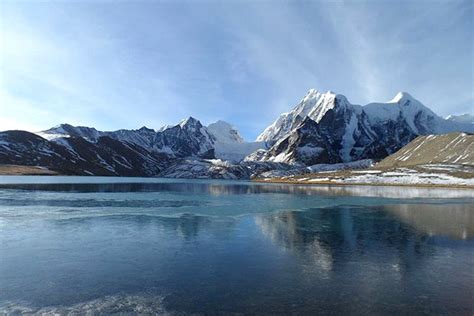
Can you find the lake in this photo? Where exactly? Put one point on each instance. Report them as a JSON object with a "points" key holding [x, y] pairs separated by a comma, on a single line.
{"points": [[133, 245]]}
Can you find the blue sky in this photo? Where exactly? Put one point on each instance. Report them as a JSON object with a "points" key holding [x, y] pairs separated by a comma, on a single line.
{"points": [[125, 64]]}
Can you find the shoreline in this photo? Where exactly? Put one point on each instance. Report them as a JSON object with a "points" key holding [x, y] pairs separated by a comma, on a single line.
{"points": [[331, 183], [19, 170]]}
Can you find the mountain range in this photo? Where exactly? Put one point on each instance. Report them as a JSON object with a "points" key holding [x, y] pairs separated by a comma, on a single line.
{"points": [[323, 128], [327, 128]]}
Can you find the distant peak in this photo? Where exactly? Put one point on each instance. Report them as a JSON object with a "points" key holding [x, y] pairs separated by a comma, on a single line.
{"points": [[61, 125], [221, 123], [401, 96], [225, 132], [312, 92], [462, 118], [190, 121], [164, 127], [144, 128]]}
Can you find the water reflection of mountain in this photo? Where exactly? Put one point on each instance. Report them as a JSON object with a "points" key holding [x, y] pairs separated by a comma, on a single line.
{"points": [[336, 236], [455, 221], [188, 226], [229, 187]]}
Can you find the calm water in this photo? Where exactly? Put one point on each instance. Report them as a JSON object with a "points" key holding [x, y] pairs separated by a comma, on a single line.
{"points": [[105, 245]]}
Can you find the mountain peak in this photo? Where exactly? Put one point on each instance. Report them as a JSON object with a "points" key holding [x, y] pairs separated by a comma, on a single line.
{"points": [[145, 129], [225, 132], [190, 121], [400, 97], [221, 123]]}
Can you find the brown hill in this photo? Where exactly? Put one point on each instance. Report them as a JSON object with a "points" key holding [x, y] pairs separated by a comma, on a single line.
{"points": [[452, 148]]}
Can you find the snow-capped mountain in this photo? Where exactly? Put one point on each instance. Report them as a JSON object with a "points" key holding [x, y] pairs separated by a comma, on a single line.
{"points": [[107, 156], [67, 130], [78, 156], [324, 128], [327, 128], [229, 144], [224, 132], [188, 138], [313, 105]]}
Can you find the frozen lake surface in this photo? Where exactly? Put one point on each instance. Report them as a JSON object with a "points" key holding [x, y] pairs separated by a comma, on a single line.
{"points": [[134, 245]]}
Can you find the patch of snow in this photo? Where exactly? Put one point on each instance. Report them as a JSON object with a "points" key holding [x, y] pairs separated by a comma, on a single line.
{"points": [[51, 136], [236, 151], [359, 164], [318, 179], [408, 178], [348, 139], [367, 171], [309, 151]]}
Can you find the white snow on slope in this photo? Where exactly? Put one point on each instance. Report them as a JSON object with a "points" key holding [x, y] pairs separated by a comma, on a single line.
{"points": [[403, 106], [407, 178], [314, 105], [348, 139], [320, 168], [236, 151], [224, 132], [359, 164], [229, 144]]}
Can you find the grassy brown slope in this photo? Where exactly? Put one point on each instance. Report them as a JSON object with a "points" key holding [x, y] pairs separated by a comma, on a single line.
{"points": [[25, 170], [452, 148]]}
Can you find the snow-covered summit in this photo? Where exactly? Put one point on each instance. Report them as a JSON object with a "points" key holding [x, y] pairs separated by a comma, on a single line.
{"points": [[405, 107], [225, 132], [314, 105], [400, 97], [327, 128], [229, 144], [67, 130], [189, 122]]}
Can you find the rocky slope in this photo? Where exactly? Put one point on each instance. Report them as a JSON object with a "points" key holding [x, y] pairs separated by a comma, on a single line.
{"points": [[78, 156]]}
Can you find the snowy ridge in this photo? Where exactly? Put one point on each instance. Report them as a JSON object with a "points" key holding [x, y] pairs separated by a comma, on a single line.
{"points": [[327, 128], [314, 104], [188, 138]]}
